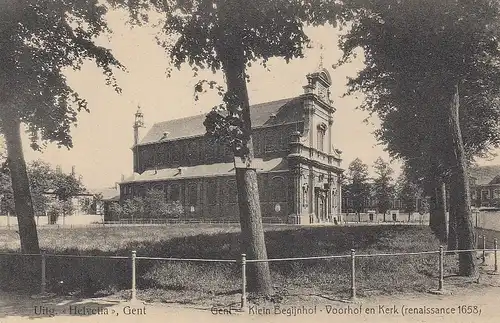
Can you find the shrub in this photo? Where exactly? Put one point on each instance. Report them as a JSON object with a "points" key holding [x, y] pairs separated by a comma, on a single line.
{"points": [[151, 206]]}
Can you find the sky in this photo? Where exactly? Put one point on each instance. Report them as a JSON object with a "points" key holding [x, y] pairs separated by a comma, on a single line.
{"points": [[103, 138]]}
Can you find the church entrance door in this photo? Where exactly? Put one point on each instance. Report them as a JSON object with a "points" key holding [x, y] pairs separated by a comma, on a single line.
{"points": [[320, 204]]}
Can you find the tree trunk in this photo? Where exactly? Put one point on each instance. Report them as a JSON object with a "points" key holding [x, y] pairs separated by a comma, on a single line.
{"points": [[452, 226], [459, 185], [429, 190], [442, 223], [259, 277], [20, 187], [437, 219]]}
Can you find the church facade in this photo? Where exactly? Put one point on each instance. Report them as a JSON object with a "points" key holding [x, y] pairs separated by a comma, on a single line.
{"points": [[298, 168]]}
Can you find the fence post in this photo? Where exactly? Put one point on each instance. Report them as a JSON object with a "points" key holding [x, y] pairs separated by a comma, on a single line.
{"points": [[134, 296], [353, 274], [44, 279], [484, 249], [496, 255], [243, 281], [441, 268]]}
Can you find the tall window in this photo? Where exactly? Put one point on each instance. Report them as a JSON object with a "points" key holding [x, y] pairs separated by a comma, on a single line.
{"points": [[141, 191], [146, 157], [174, 193], [321, 137], [273, 141], [193, 151], [278, 189], [227, 151], [193, 194], [211, 190], [232, 195], [163, 153], [211, 151]]}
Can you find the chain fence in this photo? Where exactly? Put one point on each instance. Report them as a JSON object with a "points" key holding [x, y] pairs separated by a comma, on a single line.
{"points": [[351, 263]]}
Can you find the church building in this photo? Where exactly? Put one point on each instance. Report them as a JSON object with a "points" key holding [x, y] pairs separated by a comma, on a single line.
{"points": [[298, 168]]}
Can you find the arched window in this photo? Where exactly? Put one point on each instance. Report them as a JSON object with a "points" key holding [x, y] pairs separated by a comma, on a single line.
{"points": [[157, 187]]}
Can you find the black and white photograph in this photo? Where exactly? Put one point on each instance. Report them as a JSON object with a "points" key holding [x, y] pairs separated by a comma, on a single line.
{"points": [[249, 161]]}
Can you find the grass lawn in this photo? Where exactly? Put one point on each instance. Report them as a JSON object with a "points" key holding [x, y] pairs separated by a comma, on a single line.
{"points": [[187, 282]]}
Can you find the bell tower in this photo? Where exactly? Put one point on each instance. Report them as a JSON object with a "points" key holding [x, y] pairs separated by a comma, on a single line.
{"points": [[138, 124]]}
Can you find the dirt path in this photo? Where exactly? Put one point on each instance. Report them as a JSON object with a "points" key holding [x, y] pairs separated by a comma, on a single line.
{"points": [[482, 303], [465, 302]]}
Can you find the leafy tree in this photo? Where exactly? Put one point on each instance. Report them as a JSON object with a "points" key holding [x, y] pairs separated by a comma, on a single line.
{"points": [[89, 205], [383, 187], [357, 188], [46, 181], [65, 187], [421, 58], [56, 208], [40, 39], [40, 175], [133, 208], [7, 199], [408, 192], [411, 137], [424, 206], [116, 211]]}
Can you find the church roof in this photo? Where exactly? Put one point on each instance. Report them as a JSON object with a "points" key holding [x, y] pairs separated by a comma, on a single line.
{"points": [[209, 170], [263, 114]]}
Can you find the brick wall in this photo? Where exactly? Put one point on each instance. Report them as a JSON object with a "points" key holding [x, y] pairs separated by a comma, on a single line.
{"points": [[268, 142]]}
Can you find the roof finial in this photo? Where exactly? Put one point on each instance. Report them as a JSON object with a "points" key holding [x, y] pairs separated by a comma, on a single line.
{"points": [[321, 48]]}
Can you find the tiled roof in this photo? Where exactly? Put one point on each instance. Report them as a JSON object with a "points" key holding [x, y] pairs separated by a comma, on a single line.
{"points": [[219, 169], [285, 110], [485, 174]]}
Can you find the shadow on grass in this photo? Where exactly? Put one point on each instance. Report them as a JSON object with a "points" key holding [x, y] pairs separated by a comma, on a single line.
{"points": [[192, 283]]}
